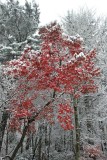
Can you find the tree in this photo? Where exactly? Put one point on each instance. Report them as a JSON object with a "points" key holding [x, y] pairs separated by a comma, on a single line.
{"points": [[5, 89], [50, 82], [13, 51], [17, 23], [83, 23]]}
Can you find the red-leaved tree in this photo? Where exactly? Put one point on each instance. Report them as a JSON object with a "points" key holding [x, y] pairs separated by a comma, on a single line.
{"points": [[49, 82]]}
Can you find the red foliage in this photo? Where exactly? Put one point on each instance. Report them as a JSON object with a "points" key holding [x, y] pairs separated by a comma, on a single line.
{"points": [[93, 151], [61, 67], [64, 116]]}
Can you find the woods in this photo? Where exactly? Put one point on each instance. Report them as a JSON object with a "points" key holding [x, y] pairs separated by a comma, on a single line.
{"points": [[52, 85]]}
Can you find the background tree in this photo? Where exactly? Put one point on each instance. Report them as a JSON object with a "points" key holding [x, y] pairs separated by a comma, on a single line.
{"points": [[95, 34], [83, 23], [17, 23]]}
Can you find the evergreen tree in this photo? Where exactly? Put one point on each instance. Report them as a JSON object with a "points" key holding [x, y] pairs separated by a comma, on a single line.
{"points": [[17, 23]]}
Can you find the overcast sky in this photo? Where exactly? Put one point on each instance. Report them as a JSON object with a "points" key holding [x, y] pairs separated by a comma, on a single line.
{"points": [[54, 9]]}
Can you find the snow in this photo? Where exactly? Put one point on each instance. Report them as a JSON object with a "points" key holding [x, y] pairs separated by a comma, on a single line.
{"points": [[80, 55]]}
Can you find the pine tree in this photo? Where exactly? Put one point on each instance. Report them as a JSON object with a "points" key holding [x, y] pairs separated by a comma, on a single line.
{"points": [[16, 25]]}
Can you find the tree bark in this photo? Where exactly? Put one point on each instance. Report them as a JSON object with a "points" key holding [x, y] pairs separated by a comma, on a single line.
{"points": [[49, 142], [77, 130], [2, 127]]}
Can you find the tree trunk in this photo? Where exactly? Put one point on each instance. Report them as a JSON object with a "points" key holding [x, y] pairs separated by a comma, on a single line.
{"points": [[2, 127], [7, 143], [20, 143], [40, 148], [49, 141], [34, 148], [77, 131]]}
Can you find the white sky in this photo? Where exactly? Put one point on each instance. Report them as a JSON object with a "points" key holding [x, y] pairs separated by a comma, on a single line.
{"points": [[54, 9]]}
